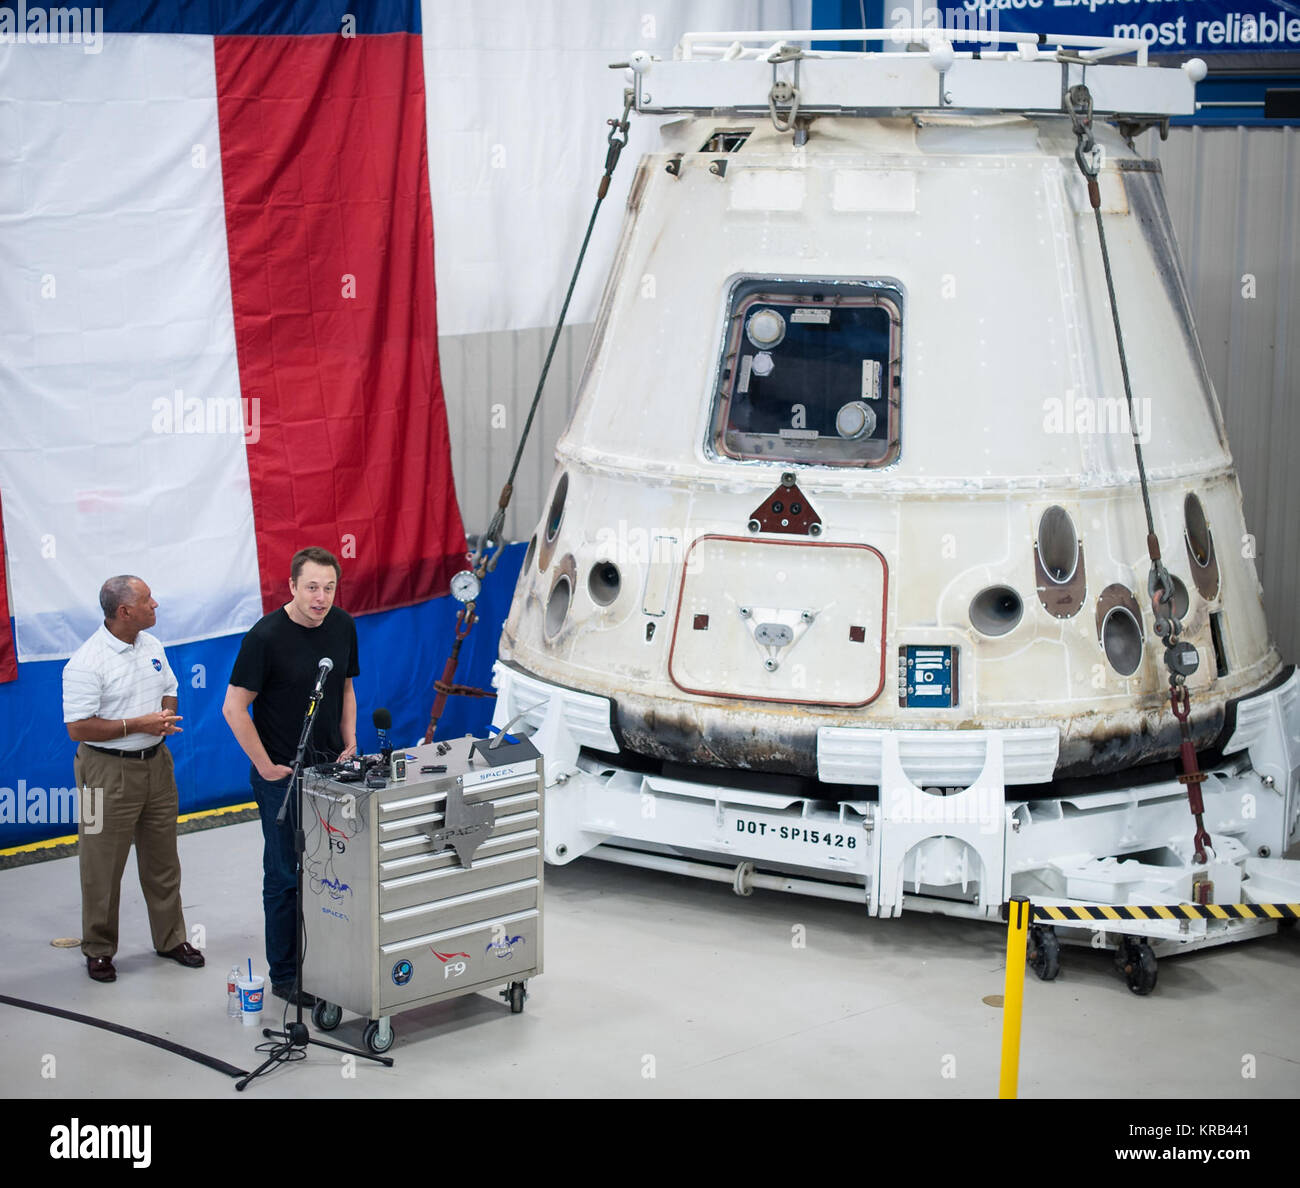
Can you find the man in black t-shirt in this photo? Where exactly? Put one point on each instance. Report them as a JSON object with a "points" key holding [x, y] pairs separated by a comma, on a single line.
{"points": [[275, 673]]}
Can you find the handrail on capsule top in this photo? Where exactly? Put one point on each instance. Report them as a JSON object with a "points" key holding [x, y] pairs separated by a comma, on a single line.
{"points": [[729, 46]]}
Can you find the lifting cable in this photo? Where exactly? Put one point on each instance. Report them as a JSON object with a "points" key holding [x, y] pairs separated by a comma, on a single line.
{"points": [[480, 563], [1180, 659]]}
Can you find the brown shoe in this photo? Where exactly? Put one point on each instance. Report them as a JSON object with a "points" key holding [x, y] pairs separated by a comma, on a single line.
{"points": [[185, 953], [101, 969]]}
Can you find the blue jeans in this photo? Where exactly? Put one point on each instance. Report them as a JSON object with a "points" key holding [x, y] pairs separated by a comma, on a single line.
{"points": [[279, 877]]}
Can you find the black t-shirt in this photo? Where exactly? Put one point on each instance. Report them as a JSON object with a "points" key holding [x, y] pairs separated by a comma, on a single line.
{"points": [[278, 661]]}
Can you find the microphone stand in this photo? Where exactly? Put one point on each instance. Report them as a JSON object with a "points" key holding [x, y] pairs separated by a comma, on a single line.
{"points": [[297, 1037]]}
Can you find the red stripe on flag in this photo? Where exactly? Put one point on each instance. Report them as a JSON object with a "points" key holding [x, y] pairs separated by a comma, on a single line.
{"points": [[8, 658], [330, 235]]}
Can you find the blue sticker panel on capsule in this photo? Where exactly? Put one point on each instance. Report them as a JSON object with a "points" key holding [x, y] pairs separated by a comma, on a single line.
{"points": [[929, 677]]}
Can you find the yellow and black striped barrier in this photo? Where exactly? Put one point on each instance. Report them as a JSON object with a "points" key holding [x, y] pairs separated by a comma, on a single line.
{"points": [[1019, 913], [1167, 911]]}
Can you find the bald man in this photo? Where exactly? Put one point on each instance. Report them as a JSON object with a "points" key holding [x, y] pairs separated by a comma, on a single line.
{"points": [[119, 703]]}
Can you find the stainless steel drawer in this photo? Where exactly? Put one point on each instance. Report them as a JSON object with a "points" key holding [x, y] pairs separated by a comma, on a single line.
{"points": [[403, 923], [450, 880]]}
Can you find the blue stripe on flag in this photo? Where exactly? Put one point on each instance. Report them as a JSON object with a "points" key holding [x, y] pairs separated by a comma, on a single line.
{"points": [[401, 651], [228, 17]]}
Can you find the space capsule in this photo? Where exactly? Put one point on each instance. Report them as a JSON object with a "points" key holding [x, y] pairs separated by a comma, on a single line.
{"points": [[894, 550]]}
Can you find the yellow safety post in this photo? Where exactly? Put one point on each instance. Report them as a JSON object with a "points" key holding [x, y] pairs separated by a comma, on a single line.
{"points": [[1019, 912]]}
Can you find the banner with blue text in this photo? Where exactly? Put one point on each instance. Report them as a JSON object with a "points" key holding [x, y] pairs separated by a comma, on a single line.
{"points": [[1192, 27]]}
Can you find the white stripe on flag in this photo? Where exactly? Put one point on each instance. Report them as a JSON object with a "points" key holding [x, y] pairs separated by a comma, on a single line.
{"points": [[115, 284]]}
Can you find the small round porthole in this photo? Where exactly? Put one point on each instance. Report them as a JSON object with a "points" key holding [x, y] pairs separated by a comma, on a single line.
{"points": [[1198, 530], [855, 420], [1058, 544], [1121, 637], [557, 605], [556, 515], [765, 329], [603, 583], [996, 611]]}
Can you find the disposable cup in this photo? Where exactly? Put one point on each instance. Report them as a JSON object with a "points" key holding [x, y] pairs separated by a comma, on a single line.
{"points": [[251, 991]]}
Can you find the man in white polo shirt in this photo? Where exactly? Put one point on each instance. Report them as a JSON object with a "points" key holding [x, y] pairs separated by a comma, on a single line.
{"points": [[119, 702]]}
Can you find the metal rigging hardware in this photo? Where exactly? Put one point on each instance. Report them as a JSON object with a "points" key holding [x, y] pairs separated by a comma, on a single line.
{"points": [[1180, 659], [467, 584]]}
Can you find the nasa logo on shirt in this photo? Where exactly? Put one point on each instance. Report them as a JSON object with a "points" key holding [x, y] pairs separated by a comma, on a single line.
{"points": [[157, 664]]}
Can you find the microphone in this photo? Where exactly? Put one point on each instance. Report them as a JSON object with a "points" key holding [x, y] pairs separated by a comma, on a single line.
{"points": [[322, 671], [382, 721]]}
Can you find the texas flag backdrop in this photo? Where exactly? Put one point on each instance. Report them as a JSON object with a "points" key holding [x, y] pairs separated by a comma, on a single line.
{"points": [[218, 345], [219, 339]]}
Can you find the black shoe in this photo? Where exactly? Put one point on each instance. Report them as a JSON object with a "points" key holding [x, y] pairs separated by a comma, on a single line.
{"points": [[101, 969], [293, 997], [185, 953]]}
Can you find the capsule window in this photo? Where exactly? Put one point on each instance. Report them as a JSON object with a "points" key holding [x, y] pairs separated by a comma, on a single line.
{"points": [[810, 372], [556, 515], [604, 583], [1058, 544], [557, 605], [1216, 638], [1121, 637], [531, 553], [996, 611], [726, 140], [1198, 530]]}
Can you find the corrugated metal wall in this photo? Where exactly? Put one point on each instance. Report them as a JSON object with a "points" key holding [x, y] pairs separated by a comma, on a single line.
{"points": [[1234, 195], [489, 381]]}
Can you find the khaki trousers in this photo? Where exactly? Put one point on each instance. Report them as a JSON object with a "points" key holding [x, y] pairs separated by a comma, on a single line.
{"points": [[139, 804]]}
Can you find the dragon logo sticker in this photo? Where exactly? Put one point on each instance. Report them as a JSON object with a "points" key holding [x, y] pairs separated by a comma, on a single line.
{"points": [[336, 887], [503, 947]]}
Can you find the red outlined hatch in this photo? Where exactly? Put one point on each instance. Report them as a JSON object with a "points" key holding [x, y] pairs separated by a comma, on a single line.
{"points": [[777, 620]]}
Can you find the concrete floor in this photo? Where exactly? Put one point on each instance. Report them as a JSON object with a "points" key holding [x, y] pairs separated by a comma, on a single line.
{"points": [[655, 986]]}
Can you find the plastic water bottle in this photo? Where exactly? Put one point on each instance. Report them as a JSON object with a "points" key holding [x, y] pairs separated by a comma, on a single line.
{"points": [[233, 1009]]}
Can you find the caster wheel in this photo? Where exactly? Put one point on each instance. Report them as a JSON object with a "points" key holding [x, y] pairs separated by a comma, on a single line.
{"points": [[515, 994], [325, 1016], [371, 1038], [1137, 965], [1044, 952]]}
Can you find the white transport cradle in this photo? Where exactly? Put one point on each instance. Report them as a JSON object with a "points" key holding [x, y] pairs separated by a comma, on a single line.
{"points": [[943, 829], [843, 583]]}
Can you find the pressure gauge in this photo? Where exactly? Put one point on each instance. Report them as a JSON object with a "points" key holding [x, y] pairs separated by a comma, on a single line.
{"points": [[464, 586]]}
